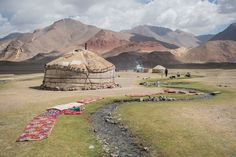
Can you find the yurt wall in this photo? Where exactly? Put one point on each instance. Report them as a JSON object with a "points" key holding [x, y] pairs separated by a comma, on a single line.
{"points": [[55, 78]]}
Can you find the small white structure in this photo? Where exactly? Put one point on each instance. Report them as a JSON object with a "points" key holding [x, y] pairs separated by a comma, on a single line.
{"points": [[139, 68], [159, 69]]}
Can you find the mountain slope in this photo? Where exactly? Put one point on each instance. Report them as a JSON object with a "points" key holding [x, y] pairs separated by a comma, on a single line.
{"points": [[141, 47], [213, 51], [68, 34], [60, 34], [11, 36], [129, 60], [106, 40], [220, 48], [228, 34], [205, 38], [178, 37]]}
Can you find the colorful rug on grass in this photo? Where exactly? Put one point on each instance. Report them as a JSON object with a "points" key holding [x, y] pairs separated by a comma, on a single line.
{"points": [[40, 127], [71, 112]]}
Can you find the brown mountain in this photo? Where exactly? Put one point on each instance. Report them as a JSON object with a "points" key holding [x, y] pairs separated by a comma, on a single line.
{"points": [[62, 33], [212, 51], [228, 34], [68, 34], [141, 47], [220, 48], [177, 37], [106, 40]]}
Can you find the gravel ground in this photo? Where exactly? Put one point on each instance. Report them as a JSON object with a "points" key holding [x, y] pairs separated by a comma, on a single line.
{"points": [[116, 138]]}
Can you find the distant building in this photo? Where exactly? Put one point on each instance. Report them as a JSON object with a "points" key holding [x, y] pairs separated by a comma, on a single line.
{"points": [[139, 68], [158, 69]]}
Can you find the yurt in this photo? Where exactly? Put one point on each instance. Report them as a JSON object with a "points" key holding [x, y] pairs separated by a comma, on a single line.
{"points": [[80, 69], [158, 69]]}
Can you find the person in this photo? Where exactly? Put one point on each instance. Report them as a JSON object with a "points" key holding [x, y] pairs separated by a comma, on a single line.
{"points": [[166, 72]]}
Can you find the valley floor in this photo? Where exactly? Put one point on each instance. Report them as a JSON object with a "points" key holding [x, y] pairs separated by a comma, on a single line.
{"points": [[194, 128]]}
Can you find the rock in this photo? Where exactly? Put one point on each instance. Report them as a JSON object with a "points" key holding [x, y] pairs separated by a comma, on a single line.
{"points": [[91, 146], [188, 74], [172, 77], [106, 150], [146, 149], [114, 155], [215, 93], [110, 121], [123, 128], [182, 92], [192, 91], [141, 99], [141, 83], [156, 99]]}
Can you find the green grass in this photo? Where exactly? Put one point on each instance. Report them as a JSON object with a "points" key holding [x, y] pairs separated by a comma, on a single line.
{"points": [[176, 128], [162, 126], [4, 84], [184, 84], [71, 135]]}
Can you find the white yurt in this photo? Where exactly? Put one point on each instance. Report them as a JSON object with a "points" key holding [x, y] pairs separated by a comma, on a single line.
{"points": [[158, 69], [80, 69]]}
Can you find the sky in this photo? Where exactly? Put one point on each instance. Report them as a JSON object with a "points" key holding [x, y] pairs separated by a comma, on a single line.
{"points": [[194, 16]]}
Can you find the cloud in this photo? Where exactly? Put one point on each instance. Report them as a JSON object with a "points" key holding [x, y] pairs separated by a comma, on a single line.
{"points": [[195, 16], [227, 6]]}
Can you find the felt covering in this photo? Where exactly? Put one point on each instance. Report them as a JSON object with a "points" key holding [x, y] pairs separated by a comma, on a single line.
{"points": [[66, 106], [81, 61]]}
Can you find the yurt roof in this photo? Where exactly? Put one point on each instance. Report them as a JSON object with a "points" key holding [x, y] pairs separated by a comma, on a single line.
{"points": [[159, 67], [81, 61]]}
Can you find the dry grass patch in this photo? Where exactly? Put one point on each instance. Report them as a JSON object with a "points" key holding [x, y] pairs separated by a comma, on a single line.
{"points": [[182, 129]]}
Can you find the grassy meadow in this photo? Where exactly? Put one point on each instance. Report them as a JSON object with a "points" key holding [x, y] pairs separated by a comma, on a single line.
{"points": [[198, 128]]}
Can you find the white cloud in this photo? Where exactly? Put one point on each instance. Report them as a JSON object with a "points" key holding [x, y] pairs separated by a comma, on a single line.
{"points": [[196, 16], [5, 26]]}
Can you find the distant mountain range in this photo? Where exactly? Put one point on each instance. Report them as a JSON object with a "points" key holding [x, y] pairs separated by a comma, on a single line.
{"points": [[177, 37], [67, 34], [149, 45], [220, 48], [205, 38]]}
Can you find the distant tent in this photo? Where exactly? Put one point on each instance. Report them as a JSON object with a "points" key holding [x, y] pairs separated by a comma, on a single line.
{"points": [[139, 68], [80, 69], [158, 69]]}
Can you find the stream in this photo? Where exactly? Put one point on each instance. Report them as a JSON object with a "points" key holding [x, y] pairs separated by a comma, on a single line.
{"points": [[116, 138]]}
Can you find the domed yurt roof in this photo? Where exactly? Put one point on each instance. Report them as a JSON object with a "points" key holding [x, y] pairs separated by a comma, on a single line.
{"points": [[160, 67], [81, 60]]}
